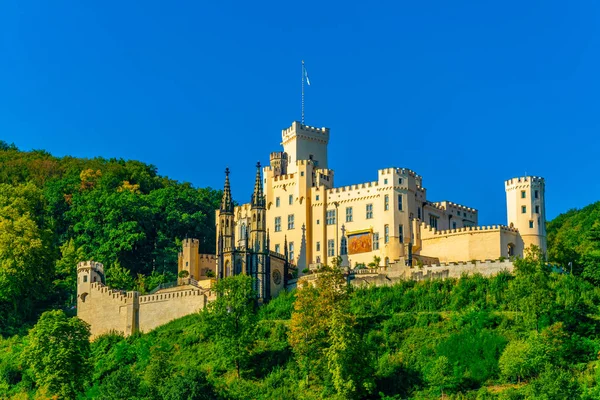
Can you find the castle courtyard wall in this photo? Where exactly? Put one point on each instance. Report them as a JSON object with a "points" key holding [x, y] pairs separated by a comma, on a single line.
{"points": [[108, 310]]}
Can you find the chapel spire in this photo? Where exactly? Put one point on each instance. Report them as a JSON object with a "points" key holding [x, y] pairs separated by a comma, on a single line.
{"points": [[258, 198], [226, 202]]}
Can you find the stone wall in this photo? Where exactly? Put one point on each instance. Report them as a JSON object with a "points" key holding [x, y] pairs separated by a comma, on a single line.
{"points": [[159, 308]]}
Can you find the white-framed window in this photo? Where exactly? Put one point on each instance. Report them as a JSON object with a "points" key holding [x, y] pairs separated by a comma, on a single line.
{"points": [[386, 234], [330, 217], [343, 246], [291, 199], [386, 202], [330, 248], [401, 233], [348, 214], [277, 224], [523, 209], [400, 205], [369, 211], [277, 249], [277, 201], [318, 246], [291, 251], [291, 221], [375, 241]]}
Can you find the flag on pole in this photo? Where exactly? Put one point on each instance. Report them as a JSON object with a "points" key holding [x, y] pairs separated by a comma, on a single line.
{"points": [[306, 76]]}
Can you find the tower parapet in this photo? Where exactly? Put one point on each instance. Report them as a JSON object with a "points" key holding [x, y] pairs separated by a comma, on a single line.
{"points": [[279, 163], [526, 209], [303, 142]]}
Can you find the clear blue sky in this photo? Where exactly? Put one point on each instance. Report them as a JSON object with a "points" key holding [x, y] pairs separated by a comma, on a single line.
{"points": [[467, 94]]}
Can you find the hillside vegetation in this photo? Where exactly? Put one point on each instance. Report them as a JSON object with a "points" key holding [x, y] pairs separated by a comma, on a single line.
{"points": [[531, 335], [55, 212]]}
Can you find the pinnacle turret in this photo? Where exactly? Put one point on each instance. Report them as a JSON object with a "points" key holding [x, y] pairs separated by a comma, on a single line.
{"points": [[258, 198], [226, 202]]}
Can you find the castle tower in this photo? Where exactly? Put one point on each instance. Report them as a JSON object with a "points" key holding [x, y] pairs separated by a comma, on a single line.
{"points": [[526, 209], [279, 163], [302, 142], [226, 229], [188, 259], [88, 272], [258, 267]]}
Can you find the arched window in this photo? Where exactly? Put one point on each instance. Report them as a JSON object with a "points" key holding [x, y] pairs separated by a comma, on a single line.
{"points": [[344, 247], [243, 231], [227, 268], [254, 218]]}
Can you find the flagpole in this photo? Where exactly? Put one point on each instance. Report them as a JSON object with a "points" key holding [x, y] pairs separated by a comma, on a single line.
{"points": [[302, 92]]}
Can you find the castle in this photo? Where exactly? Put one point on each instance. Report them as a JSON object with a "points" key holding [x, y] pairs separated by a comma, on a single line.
{"points": [[297, 220]]}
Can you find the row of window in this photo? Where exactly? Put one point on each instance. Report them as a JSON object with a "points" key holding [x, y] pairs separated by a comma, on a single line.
{"points": [[536, 194], [278, 223], [290, 200], [290, 250], [385, 181], [524, 209]]}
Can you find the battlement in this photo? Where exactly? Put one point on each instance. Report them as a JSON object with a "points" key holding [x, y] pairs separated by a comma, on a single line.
{"points": [[191, 242], [107, 293], [351, 188], [400, 171], [467, 229], [276, 155], [437, 206], [524, 180], [297, 126], [157, 297], [285, 177], [91, 265], [448, 204], [209, 257]]}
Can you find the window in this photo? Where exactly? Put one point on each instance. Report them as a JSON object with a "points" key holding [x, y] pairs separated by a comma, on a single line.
{"points": [[386, 202], [453, 224], [531, 224], [243, 231], [317, 198], [291, 221], [85, 278], [375, 241], [277, 249], [318, 246], [385, 181], [537, 194], [344, 247], [400, 202], [277, 224], [291, 251], [302, 173], [277, 201], [433, 221], [369, 211], [186, 263], [330, 248], [348, 214], [523, 194], [400, 181], [291, 199], [537, 209], [386, 234], [318, 222], [523, 209], [330, 217], [419, 212], [401, 233]]}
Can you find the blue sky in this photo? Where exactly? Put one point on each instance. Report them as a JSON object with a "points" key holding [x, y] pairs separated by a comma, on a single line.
{"points": [[467, 94]]}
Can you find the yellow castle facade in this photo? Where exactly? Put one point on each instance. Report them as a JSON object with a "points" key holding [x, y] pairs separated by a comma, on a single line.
{"points": [[390, 218], [298, 219]]}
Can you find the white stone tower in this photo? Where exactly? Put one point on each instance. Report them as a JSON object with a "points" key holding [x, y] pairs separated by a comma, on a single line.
{"points": [[88, 272], [303, 142], [526, 209]]}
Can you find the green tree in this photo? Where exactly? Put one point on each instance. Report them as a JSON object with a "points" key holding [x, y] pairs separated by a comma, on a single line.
{"points": [[233, 319], [57, 353], [440, 374], [190, 384]]}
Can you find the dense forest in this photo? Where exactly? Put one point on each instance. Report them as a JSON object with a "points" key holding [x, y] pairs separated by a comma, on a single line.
{"points": [[534, 334]]}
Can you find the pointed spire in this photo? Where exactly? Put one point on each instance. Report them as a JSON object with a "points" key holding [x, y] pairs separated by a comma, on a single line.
{"points": [[227, 203], [258, 198]]}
